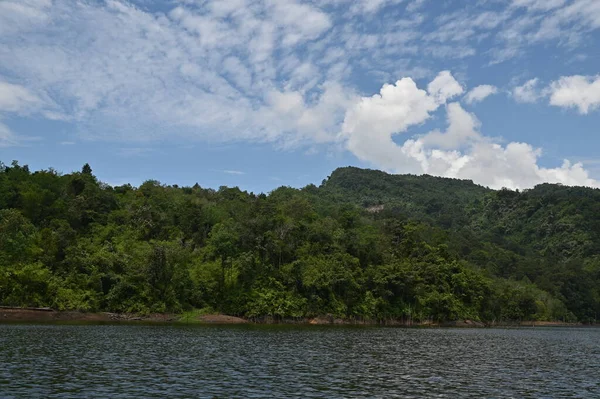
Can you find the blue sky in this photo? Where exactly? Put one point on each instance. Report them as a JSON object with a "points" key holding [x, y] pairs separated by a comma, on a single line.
{"points": [[263, 93]]}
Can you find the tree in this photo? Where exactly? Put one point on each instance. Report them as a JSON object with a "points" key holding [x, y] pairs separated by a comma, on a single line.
{"points": [[86, 169]]}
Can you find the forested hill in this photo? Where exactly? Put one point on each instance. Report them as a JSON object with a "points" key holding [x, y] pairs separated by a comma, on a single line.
{"points": [[551, 219], [364, 244], [548, 220], [440, 201]]}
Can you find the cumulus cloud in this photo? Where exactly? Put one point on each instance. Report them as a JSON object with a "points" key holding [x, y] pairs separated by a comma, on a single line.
{"points": [[581, 92], [480, 93], [462, 129], [299, 122], [528, 92], [444, 87], [461, 151], [491, 164], [370, 124]]}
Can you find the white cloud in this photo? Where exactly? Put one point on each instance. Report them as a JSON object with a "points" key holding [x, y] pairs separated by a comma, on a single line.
{"points": [[17, 15], [238, 72], [528, 92], [460, 152], [17, 99], [480, 93], [415, 5], [444, 87], [371, 6], [7, 137], [299, 22], [370, 124], [567, 22], [300, 122], [462, 129], [203, 71], [544, 5], [207, 69], [514, 166], [581, 92]]}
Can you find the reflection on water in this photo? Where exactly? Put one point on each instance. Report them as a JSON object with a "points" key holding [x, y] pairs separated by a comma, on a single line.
{"points": [[116, 361]]}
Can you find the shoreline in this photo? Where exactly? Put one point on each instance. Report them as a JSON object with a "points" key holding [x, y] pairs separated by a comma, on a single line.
{"points": [[46, 315]]}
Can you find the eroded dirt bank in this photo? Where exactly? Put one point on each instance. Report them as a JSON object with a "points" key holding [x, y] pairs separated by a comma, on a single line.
{"points": [[49, 315], [41, 315]]}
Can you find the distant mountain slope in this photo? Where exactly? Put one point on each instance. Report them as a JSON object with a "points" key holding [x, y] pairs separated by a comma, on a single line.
{"points": [[550, 218], [441, 201]]}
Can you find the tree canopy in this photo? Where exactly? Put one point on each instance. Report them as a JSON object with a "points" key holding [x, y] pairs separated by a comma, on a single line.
{"points": [[364, 245]]}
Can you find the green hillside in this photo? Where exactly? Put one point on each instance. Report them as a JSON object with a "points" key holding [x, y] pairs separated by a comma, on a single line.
{"points": [[436, 200], [363, 245]]}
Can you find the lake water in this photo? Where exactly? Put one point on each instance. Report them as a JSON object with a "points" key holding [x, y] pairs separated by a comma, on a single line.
{"points": [[119, 361]]}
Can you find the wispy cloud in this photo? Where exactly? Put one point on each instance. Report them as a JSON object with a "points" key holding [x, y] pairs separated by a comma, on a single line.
{"points": [[221, 71], [17, 99], [528, 92], [134, 151], [233, 172], [7, 137], [229, 171]]}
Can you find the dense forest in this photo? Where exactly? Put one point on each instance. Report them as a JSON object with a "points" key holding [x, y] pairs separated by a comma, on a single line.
{"points": [[363, 245]]}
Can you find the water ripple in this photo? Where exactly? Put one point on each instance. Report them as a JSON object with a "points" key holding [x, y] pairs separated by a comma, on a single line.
{"points": [[117, 361]]}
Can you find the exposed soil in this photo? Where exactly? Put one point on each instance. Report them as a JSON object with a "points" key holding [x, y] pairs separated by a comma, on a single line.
{"points": [[534, 324], [31, 315], [8, 314], [221, 319], [41, 315]]}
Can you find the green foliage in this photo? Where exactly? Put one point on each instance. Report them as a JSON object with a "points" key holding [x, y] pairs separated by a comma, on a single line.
{"points": [[363, 245]]}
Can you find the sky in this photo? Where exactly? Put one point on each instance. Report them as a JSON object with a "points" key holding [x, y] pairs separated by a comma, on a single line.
{"points": [[264, 93]]}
